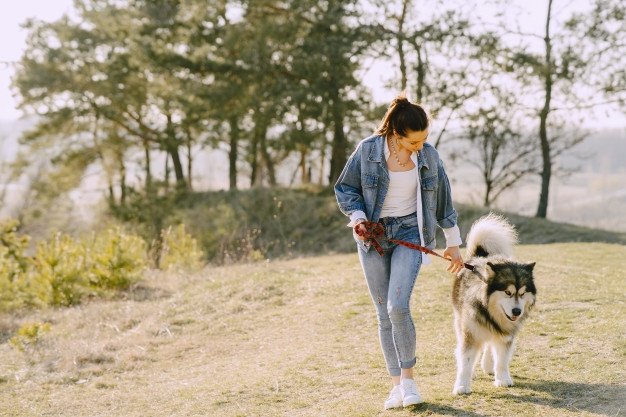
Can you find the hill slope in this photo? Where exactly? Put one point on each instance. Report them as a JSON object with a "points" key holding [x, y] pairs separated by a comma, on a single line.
{"points": [[298, 337], [276, 222]]}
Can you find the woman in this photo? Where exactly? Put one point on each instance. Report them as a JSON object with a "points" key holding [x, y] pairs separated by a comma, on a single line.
{"points": [[397, 179]]}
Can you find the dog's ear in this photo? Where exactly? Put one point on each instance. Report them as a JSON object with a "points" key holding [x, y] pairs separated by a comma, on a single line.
{"points": [[490, 271], [494, 267], [529, 267]]}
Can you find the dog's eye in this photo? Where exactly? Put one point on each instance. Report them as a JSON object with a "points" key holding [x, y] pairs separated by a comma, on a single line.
{"points": [[522, 294], [507, 292]]}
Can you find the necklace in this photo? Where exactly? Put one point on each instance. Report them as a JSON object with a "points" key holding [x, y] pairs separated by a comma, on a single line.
{"points": [[395, 153]]}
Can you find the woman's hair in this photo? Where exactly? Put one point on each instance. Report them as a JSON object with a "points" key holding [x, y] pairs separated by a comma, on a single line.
{"points": [[402, 115]]}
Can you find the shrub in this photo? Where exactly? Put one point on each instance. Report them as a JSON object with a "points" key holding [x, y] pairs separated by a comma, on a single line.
{"points": [[62, 268], [117, 260], [28, 336], [15, 246], [179, 250], [9, 295]]}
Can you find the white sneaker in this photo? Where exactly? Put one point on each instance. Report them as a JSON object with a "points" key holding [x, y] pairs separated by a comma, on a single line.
{"points": [[395, 398], [410, 395]]}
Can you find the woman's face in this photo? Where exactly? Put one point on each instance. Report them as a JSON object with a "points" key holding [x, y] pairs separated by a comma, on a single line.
{"points": [[413, 140]]}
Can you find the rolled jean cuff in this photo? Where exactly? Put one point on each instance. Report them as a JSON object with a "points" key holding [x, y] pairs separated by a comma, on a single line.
{"points": [[409, 364], [394, 372]]}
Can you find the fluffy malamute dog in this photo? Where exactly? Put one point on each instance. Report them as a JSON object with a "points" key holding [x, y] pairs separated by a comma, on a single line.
{"points": [[490, 303]]}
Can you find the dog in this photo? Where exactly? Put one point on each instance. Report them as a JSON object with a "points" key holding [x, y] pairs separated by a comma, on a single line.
{"points": [[490, 303]]}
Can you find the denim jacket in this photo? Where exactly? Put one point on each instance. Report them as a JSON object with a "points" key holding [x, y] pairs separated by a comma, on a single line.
{"points": [[364, 181]]}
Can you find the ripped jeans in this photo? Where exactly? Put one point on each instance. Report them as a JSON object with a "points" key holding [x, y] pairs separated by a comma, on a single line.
{"points": [[390, 279]]}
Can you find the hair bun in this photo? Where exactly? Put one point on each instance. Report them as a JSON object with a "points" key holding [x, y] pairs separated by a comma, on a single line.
{"points": [[402, 102]]}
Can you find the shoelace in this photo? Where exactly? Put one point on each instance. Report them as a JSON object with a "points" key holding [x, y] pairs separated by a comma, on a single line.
{"points": [[374, 233]]}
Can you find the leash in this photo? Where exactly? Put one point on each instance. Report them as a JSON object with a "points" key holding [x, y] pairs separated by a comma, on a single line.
{"points": [[375, 232]]}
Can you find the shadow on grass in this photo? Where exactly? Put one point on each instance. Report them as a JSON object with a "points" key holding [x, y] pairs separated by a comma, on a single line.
{"points": [[142, 293], [443, 409], [607, 399]]}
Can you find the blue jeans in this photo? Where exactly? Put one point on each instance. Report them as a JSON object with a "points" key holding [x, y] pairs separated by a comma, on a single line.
{"points": [[390, 279]]}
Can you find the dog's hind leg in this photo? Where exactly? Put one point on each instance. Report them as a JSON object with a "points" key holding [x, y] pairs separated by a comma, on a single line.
{"points": [[503, 352], [466, 355], [487, 361]]}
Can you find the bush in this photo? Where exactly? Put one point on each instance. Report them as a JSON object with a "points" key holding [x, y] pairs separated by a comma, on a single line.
{"points": [[179, 250], [61, 266], [256, 224], [15, 245], [117, 260], [66, 270], [28, 337], [9, 294]]}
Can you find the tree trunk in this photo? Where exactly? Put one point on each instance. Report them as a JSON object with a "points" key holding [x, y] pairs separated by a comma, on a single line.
{"points": [[487, 200], [122, 167], [322, 160], [146, 151], [400, 40], [111, 196], [189, 160], [340, 144], [267, 158], [172, 149], [254, 159], [178, 167], [542, 208], [304, 172], [259, 148], [421, 74], [232, 153]]}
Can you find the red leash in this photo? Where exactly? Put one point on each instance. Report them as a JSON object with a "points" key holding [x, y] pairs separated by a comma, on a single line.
{"points": [[376, 231]]}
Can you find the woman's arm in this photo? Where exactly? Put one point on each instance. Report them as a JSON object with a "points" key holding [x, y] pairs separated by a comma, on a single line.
{"points": [[348, 189]]}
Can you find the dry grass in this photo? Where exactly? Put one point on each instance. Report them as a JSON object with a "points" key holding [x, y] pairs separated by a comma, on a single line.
{"points": [[299, 337]]}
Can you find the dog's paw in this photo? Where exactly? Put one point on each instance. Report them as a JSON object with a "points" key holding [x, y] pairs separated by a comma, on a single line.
{"points": [[503, 382], [461, 389]]}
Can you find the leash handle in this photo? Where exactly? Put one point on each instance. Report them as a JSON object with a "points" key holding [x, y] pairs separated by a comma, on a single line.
{"points": [[375, 231]]}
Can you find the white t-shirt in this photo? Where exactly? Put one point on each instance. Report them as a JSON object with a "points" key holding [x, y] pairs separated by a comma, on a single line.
{"points": [[401, 198]]}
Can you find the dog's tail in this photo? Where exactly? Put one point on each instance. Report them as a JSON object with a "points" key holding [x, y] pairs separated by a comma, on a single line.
{"points": [[491, 235]]}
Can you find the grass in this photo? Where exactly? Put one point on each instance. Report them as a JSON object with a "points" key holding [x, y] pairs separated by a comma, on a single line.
{"points": [[298, 338]]}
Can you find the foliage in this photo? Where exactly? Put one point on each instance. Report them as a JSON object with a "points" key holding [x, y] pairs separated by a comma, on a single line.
{"points": [[29, 336], [242, 226], [180, 250], [117, 260], [15, 245], [61, 266], [71, 269], [64, 270], [9, 291]]}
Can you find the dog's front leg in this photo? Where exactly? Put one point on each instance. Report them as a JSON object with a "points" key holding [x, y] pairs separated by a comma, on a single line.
{"points": [[503, 352], [466, 353]]}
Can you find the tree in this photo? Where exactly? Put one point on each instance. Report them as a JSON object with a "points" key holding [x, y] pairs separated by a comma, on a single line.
{"points": [[500, 147], [584, 58]]}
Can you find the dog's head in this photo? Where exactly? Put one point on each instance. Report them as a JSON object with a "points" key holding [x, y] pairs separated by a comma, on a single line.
{"points": [[511, 290]]}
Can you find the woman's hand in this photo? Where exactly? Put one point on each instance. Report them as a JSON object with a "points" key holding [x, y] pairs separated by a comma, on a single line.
{"points": [[359, 226], [454, 253]]}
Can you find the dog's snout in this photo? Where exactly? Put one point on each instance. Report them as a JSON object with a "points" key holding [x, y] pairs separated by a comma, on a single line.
{"points": [[516, 312]]}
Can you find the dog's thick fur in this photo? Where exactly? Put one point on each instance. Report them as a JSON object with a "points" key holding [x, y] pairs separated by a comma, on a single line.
{"points": [[491, 302]]}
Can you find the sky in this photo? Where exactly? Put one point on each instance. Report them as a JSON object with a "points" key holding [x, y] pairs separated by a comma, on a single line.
{"points": [[530, 14], [13, 41]]}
